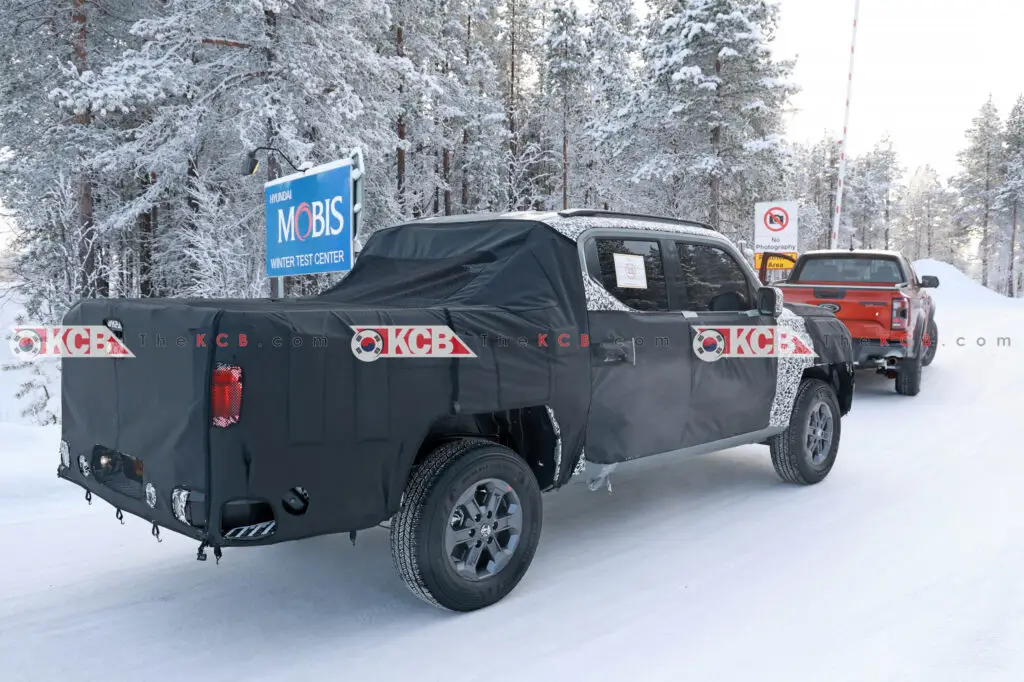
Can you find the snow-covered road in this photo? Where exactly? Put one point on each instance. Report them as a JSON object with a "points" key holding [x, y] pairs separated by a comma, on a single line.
{"points": [[907, 564]]}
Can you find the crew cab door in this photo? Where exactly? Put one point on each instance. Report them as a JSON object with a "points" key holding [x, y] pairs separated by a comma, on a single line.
{"points": [[641, 355], [733, 390]]}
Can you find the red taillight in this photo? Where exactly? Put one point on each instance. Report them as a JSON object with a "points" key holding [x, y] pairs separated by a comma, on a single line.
{"points": [[900, 312], [227, 395]]}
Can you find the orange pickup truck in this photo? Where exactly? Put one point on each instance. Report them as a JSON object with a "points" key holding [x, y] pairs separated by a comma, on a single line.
{"points": [[880, 299]]}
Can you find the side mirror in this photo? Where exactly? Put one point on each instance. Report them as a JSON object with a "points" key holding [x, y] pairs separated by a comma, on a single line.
{"points": [[769, 301], [930, 282]]}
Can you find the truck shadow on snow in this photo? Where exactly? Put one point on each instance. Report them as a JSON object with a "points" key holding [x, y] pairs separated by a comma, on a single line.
{"points": [[878, 386], [308, 589]]}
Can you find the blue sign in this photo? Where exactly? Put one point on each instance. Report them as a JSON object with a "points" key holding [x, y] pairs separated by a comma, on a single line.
{"points": [[309, 221]]}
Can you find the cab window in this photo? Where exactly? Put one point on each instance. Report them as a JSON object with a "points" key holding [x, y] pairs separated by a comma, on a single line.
{"points": [[632, 270], [711, 280], [853, 269]]}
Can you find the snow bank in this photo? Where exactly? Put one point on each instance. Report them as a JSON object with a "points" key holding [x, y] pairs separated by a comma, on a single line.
{"points": [[956, 288], [29, 457]]}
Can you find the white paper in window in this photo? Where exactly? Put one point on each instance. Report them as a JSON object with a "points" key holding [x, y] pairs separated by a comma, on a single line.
{"points": [[629, 271]]}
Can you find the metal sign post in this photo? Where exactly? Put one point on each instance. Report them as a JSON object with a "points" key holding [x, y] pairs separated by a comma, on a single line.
{"points": [[358, 180], [846, 127]]}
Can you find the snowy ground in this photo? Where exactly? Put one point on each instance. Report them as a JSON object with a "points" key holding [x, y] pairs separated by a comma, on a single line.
{"points": [[907, 564]]}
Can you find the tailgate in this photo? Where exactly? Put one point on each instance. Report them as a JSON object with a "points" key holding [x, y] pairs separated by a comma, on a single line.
{"points": [[148, 414], [866, 310]]}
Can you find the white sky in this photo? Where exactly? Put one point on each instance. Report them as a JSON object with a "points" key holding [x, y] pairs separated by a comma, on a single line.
{"points": [[923, 69]]}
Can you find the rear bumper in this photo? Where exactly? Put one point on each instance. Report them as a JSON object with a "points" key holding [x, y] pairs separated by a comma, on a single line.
{"points": [[235, 512], [869, 353], [163, 508], [160, 513]]}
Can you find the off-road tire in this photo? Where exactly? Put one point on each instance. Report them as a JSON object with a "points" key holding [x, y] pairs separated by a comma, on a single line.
{"points": [[417, 530], [933, 343], [789, 456], [908, 376]]}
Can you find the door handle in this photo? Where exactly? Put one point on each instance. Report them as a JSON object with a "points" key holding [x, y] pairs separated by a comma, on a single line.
{"points": [[610, 352]]}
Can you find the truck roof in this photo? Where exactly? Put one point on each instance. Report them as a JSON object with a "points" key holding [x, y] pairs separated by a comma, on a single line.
{"points": [[574, 222], [858, 252]]}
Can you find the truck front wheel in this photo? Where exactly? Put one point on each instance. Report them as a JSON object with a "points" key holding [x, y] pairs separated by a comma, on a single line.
{"points": [[468, 526], [806, 451]]}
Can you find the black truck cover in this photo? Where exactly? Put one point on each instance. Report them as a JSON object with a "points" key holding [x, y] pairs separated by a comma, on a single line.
{"points": [[312, 414]]}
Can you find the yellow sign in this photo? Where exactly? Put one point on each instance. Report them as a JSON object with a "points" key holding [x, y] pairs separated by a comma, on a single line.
{"points": [[775, 263]]}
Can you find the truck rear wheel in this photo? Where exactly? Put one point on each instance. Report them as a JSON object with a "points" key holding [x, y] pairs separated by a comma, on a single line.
{"points": [[931, 343], [806, 451], [908, 377], [468, 526]]}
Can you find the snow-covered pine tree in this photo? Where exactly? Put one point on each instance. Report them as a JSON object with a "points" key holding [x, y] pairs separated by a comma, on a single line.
{"points": [[716, 93], [1011, 194], [860, 207], [428, 100], [211, 81], [613, 44], [869, 203], [980, 181], [48, 177], [813, 179], [663, 177], [516, 48], [454, 93], [51, 278], [889, 176], [43, 47], [480, 171], [926, 227], [564, 98]]}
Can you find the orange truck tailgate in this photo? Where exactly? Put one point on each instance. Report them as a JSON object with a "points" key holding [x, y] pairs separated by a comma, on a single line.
{"points": [[866, 310]]}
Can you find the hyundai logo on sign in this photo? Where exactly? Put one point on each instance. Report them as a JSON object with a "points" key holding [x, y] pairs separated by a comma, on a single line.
{"points": [[309, 221]]}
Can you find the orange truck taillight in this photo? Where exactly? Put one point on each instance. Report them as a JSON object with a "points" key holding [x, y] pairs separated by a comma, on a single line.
{"points": [[227, 395], [900, 313]]}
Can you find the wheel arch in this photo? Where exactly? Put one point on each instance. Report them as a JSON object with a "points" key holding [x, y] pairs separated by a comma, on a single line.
{"points": [[840, 376], [531, 432]]}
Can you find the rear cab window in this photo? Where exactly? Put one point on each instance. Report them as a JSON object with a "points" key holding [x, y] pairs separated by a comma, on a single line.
{"points": [[852, 269], [633, 271]]}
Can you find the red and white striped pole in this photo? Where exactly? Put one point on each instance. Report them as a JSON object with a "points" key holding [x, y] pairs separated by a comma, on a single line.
{"points": [[846, 127]]}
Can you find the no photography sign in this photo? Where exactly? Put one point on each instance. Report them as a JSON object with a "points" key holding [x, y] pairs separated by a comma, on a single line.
{"points": [[775, 227], [776, 219]]}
